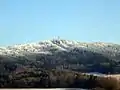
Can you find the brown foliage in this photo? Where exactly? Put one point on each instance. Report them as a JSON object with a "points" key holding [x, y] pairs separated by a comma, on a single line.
{"points": [[109, 83], [62, 79]]}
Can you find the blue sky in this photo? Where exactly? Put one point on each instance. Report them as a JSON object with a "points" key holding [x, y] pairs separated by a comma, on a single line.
{"points": [[24, 21]]}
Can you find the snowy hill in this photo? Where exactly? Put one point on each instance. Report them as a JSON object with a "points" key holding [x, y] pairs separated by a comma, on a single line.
{"points": [[64, 45], [63, 54], [46, 47]]}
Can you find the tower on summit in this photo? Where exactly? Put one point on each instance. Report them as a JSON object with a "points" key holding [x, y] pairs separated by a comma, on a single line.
{"points": [[57, 38]]}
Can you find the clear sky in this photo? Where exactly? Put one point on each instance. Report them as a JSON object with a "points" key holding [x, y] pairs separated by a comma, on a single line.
{"points": [[24, 21]]}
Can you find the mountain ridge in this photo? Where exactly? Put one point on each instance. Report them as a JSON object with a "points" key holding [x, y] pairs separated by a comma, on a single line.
{"points": [[55, 43], [63, 54]]}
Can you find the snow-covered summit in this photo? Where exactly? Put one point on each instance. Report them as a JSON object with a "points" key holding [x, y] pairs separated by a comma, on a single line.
{"points": [[57, 45]]}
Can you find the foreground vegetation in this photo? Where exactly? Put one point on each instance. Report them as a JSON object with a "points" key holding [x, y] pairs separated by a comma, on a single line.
{"points": [[40, 78]]}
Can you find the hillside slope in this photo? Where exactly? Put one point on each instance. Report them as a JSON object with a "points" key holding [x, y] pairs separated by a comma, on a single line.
{"points": [[62, 54]]}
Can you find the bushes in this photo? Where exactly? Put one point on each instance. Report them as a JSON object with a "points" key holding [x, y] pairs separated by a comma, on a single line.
{"points": [[62, 79]]}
